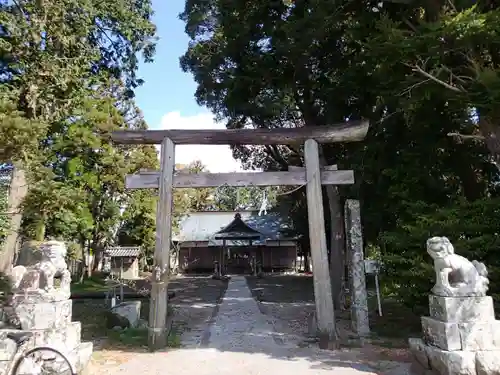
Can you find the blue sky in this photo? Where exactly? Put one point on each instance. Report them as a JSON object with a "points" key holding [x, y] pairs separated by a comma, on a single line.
{"points": [[167, 96]]}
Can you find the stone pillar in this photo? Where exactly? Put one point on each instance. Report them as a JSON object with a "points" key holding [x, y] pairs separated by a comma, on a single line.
{"points": [[355, 260]]}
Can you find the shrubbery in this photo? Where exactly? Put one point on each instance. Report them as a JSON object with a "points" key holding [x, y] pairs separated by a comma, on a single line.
{"points": [[473, 229]]}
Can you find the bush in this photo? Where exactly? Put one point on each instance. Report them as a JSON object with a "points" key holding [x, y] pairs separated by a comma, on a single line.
{"points": [[472, 228]]}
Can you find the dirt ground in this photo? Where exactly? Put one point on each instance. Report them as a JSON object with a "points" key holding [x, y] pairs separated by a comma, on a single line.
{"points": [[288, 300], [193, 304]]}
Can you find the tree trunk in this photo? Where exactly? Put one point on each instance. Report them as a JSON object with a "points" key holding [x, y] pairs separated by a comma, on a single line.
{"points": [[81, 276], [337, 246], [17, 191], [491, 134], [337, 242], [40, 227]]}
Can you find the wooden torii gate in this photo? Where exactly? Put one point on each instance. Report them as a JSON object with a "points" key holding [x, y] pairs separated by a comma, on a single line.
{"points": [[313, 177]]}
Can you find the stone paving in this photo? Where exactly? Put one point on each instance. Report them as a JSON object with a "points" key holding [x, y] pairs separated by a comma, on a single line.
{"points": [[241, 341]]}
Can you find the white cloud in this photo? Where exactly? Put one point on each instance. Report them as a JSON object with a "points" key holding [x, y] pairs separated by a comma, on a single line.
{"points": [[216, 158]]}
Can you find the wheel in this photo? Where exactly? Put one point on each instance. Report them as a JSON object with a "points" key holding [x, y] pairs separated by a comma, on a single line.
{"points": [[43, 361]]}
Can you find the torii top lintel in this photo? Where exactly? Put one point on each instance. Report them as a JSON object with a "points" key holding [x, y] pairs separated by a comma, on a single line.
{"points": [[351, 131]]}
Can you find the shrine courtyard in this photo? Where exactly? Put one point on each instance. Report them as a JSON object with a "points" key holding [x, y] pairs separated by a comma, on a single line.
{"points": [[284, 304]]}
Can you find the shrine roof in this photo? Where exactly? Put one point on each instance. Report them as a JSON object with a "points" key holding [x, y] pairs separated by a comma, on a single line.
{"points": [[212, 226]]}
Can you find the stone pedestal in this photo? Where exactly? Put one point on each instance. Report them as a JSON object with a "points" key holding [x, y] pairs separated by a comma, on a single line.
{"points": [[460, 337], [51, 324]]}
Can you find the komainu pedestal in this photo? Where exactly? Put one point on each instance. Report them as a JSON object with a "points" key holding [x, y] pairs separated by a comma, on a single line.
{"points": [[41, 307], [460, 335]]}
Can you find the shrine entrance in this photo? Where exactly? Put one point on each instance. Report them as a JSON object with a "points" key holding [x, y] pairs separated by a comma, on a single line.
{"points": [[312, 176], [238, 261], [239, 255]]}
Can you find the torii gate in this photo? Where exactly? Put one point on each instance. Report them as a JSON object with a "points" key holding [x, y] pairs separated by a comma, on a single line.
{"points": [[313, 177]]}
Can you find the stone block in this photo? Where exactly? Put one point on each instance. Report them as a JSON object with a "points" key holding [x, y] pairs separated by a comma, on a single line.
{"points": [[65, 338], [461, 309], [7, 348], [44, 315], [451, 363], [477, 336], [80, 356], [4, 366], [472, 336], [441, 334], [417, 349], [488, 363]]}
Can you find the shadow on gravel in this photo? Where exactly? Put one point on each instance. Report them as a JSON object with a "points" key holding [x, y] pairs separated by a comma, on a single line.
{"points": [[285, 303], [194, 301]]}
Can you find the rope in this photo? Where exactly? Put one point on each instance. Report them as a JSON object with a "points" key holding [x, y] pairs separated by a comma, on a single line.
{"points": [[297, 188], [264, 196]]}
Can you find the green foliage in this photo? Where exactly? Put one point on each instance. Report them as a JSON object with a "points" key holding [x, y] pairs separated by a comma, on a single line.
{"points": [[472, 228], [417, 71], [66, 83]]}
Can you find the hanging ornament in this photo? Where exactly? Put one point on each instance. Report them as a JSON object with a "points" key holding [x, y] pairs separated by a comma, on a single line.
{"points": [[263, 205]]}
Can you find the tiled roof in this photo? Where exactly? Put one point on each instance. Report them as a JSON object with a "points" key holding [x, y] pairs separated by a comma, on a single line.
{"points": [[203, 226], [238, 228], [123, 251]]}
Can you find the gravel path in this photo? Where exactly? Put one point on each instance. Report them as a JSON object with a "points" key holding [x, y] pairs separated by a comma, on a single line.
{"points": [[240, 340]]}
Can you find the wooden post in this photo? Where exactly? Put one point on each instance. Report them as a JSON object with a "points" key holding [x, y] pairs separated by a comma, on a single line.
{"points": [[121, 280], [158, 307], [321, 273]]}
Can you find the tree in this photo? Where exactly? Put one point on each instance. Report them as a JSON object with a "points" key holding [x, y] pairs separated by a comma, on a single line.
{"points": [[68, 71], [319, 62], [48, 69]]}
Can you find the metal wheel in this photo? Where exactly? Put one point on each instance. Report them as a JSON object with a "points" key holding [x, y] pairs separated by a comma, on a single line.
{"points": [[43, 361]]}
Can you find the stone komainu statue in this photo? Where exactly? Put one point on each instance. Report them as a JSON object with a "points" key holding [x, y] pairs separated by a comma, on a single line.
{"points": [[456, 276], [37, 268]]}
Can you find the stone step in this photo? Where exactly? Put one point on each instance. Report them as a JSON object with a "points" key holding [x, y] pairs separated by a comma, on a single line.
{"points": [[66, 339], [431, 359], [7, 350], [80, 356]]}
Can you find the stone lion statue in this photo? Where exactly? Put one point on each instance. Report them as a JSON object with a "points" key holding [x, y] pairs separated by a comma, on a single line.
{"points": [[40, 274], [456, 276]]}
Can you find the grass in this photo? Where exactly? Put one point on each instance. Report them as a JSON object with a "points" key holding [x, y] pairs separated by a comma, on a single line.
{"points": [[393, 328], [138, 338], [92, 284], [397, 321], [194, 292]]}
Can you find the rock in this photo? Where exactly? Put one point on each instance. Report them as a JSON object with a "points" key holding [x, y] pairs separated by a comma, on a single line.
{"points": [[488, 363], [115, 321], [130, 310]]}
